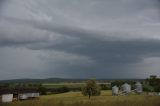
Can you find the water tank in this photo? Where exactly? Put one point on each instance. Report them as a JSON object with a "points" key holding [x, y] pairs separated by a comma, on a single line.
{"points": [[7, 98], [126, 88], [115, 90], [138, 87]]}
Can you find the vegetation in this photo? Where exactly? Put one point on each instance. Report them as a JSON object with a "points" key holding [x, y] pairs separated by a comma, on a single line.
{"points": [[148, 88], [154, 82], [91, 89], [105, 87], [59, 85], [42, 90], [77, 99]]}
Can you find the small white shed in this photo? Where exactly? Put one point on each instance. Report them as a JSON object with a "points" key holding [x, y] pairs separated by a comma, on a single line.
{"points": [[7, 97]]}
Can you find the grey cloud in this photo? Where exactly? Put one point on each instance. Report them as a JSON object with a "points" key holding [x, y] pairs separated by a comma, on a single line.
{"points": [[87, 38], [111, 56], [2, 3]]}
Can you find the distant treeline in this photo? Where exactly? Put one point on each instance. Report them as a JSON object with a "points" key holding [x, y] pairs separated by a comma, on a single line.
{"points": [[151, 84], [42, 90], [39, 84], [59, 80]]}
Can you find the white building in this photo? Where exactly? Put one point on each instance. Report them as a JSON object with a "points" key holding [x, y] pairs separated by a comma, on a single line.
{"points": [[7, 97]]}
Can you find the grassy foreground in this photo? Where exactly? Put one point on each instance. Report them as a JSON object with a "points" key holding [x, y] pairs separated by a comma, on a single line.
{"points": [[76, 99]]}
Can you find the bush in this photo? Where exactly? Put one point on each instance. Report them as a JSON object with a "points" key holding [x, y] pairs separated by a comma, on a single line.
{"points": [[64, 89], [157, 88], [42, 90], [148, 88]]}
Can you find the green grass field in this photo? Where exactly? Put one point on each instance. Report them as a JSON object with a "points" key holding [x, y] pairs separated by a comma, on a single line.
{"points": [[58, 85], [77, 99]]}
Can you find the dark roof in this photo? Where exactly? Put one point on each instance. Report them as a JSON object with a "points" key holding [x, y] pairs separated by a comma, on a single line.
{"points": [[19, 90]]}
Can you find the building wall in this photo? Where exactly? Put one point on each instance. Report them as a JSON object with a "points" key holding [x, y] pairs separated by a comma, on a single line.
{"points": [[7, 97]]}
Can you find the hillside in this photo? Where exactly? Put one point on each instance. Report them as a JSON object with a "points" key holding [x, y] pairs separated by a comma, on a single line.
{"points": [[59, 80]]}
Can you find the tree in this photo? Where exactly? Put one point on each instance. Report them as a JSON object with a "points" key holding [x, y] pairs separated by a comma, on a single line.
{"points": [[91, 89], [42, 90], [117, 83]]}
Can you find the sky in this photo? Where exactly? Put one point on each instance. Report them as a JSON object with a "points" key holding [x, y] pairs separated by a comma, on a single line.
{"points": [[79, 38]]}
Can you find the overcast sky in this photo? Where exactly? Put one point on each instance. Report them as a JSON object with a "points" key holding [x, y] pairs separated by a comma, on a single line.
{"points": [[79, 38]]}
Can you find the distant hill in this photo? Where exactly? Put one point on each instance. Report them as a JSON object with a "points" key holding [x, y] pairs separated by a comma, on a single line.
{"points": [[58, 80]]}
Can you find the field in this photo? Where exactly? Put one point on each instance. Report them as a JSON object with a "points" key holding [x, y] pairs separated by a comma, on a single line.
{"points": [[76, 99], [58, 85]]}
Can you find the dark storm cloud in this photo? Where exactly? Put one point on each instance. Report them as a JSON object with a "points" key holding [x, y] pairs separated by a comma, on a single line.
{"points": [[109, 56], [108, 51], [90, 38]]}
